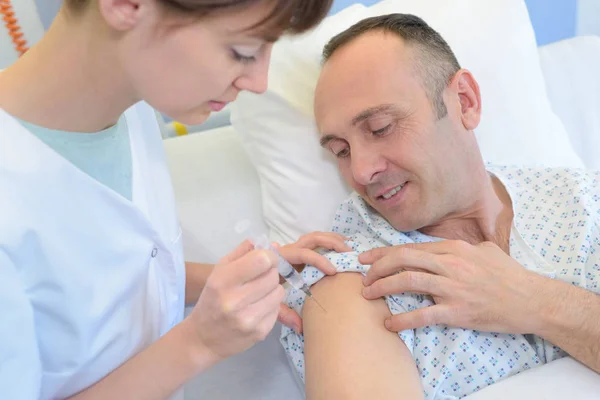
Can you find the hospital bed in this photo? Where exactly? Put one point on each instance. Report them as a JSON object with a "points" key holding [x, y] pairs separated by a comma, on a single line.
{"points": [[217, 185]]}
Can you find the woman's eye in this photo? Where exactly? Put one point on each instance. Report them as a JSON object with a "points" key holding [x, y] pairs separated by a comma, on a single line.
{"points": [[243, 58], [245, 54]]}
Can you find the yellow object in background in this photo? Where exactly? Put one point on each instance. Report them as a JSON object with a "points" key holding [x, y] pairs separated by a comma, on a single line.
{"points": [[180, 129]]}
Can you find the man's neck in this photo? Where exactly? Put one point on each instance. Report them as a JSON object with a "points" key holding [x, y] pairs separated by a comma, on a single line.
{"points": [[488, 219], [71, 80]]}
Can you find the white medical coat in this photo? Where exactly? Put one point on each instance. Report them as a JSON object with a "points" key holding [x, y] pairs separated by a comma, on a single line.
{"points": [[87, 278]]}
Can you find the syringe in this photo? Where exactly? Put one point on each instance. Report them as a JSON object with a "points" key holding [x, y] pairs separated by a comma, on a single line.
{"points": [[285, 269]]}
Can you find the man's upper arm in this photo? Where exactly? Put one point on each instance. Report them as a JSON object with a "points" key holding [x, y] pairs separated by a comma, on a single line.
{"points": [[20, 369], [348, 351]]}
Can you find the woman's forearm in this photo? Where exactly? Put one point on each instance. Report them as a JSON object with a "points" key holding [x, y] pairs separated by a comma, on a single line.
{"points": [[196, 275], [156, 372]]}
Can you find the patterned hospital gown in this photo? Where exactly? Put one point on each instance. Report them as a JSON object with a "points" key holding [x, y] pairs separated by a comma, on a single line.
{"points": [[555, 232]]}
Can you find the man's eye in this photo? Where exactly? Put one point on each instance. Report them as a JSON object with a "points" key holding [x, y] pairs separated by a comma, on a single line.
{"points": [[342, 153], [382, 131]]}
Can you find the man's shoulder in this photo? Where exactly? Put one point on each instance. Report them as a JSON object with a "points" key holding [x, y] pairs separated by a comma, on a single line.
{"points": [[560, 188], [546, 178]]}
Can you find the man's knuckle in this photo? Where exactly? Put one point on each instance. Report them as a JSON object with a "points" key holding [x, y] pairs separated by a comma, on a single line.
{"points": [[451, 260], [375, 271], [411, 278], [427, 318], [378, 287], [404, 251]]}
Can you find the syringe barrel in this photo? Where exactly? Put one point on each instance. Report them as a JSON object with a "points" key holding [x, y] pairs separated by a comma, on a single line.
{"points": [[284, 268]]}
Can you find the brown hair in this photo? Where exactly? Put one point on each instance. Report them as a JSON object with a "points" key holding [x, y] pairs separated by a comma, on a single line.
{"points": [[435, 61], [292, 16]]}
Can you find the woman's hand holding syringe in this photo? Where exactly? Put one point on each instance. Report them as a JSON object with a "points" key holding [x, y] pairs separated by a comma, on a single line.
{"points": [[293, 257]]}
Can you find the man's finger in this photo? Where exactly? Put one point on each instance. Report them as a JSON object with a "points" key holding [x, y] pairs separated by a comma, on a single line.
{"points": [[456, 247], [420, 318], [369, 257], [407, 281], [403, 260], [296, 255], [331, 241], [290, 318]]}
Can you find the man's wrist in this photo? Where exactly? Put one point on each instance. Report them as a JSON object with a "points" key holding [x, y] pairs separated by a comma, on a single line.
{"points": [[552, 317]]}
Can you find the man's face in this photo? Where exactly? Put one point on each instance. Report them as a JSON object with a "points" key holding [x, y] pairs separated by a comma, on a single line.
{"points": [[375, 117]]}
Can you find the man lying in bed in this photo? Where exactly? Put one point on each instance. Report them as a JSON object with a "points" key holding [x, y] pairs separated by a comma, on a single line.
{"points": [[490, 248]]}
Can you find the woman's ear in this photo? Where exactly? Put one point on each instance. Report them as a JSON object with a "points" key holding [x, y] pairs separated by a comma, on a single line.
{"points": [[466, 88], [121, 15]]}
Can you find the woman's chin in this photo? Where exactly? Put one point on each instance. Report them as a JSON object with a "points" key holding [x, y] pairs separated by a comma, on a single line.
{"points": [[192, 118]]}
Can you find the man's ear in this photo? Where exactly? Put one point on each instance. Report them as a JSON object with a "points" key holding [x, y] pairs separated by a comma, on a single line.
{"points": [[121, 15], [464, 85]]}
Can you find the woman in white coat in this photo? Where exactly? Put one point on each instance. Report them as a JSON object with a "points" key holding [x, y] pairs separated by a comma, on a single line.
{"points": [[92, 277]]}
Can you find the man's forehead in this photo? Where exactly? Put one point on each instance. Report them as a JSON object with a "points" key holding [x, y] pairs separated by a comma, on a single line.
{"points": [[376, 43], [362, 63], [364, 75]]}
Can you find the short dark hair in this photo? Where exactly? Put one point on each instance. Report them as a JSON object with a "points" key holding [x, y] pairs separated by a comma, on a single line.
{"points": [[435, 62], [291, 16]]}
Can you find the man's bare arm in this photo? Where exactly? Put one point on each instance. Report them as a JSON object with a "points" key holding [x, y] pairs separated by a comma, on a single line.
{"points": [[570, 319], [349, 353]]}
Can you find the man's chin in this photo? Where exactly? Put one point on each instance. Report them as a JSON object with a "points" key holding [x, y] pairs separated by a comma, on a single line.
{"points": [[402, 222], [403, 226]]}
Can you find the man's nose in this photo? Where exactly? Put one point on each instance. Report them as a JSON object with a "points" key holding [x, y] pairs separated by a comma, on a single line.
{"points": [[366, 164]]}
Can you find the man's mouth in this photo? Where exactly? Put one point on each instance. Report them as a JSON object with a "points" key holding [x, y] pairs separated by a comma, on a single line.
{"points": [[390, 193]]}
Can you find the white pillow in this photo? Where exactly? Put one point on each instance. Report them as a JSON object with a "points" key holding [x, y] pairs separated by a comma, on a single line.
{"points": [[493, 38], [571, 71]]}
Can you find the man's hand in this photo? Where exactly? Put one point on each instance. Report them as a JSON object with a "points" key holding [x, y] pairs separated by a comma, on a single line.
{"points": [[303, 252], [475, 287]]}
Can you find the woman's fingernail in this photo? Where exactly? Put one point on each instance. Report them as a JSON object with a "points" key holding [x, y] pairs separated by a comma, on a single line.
{"points": [[366, 291], [388, 324]]}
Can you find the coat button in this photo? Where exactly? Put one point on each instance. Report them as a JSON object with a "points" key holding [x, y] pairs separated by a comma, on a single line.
{"points": [[154, 252]]}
